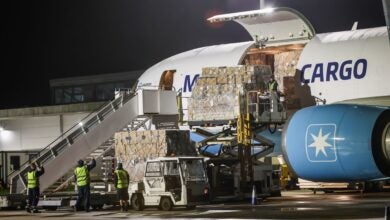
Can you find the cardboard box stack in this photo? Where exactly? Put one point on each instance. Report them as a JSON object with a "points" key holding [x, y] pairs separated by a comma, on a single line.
{"points": [[285, 65], [285, 69], [214, 96], [261, 59], [135, 147]]}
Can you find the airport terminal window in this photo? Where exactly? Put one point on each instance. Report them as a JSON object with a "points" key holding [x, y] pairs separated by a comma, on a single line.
{"points": [[77, 90], [67, 97], [87, 93], [58, 93], [105, 91], [78, 95]]}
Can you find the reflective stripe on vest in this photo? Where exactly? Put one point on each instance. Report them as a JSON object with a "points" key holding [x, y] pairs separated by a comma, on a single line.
{"points": [[123, 182], [32, 179], [82, 175]]}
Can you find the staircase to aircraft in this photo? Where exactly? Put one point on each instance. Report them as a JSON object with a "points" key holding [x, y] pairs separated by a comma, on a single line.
{"points": [[106, 149], [140, 122], [99, 153], [94, 131]]}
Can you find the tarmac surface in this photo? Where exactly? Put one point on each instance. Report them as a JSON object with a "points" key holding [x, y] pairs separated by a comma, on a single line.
{"points": [[292, 205]]}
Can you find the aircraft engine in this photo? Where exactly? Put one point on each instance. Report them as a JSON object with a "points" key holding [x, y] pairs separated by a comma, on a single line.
{"points": [[338, 142]]}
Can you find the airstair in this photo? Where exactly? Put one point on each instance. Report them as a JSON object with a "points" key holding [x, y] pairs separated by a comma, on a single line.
{"points": [[99, 153], [103, 153], [128, 111]]}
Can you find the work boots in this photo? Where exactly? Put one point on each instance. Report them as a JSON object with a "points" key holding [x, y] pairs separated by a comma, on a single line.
{"points": [[32, 209], [124, 208]]}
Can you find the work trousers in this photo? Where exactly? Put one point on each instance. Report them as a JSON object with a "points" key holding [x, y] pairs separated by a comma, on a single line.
{"points": [[83, 198], [33, 197]]}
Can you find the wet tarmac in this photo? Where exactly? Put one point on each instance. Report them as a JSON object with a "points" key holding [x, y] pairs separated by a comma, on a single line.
{"points": [[292, 205]]}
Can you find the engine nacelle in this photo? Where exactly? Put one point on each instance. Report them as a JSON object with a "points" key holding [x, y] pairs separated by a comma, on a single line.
{"points": [[338, 142]]}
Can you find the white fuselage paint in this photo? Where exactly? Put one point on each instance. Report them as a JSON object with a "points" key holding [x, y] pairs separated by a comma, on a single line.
{"points": [[347, 66]]}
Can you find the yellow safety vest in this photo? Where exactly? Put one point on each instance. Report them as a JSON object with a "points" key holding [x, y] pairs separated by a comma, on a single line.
{"points": [[271, 86], [123, 182], [32, 179], [82, 175]]}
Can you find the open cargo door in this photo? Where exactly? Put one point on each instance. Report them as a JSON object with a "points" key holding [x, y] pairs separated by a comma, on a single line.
{"points": [[166, 80], [386, 9], [272, 26]]}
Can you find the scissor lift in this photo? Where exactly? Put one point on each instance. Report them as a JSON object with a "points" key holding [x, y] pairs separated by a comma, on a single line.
{"points": [[265, 108], [243, 143], [258, 111]]}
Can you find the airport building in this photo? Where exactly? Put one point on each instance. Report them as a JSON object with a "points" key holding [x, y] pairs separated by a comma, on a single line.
{"points": [[94, 88], [25, 131]]}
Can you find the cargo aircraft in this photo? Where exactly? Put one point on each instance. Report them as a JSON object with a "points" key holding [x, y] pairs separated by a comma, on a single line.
{"points": [[346, 139]]}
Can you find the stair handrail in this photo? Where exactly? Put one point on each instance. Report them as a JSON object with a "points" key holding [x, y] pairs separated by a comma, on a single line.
{"points": [[71, 178], [123, 98]]}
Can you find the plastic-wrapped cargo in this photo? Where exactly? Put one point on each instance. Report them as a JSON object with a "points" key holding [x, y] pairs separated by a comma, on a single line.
{"points": [[285, 66], [133, 148], [214, 96]]}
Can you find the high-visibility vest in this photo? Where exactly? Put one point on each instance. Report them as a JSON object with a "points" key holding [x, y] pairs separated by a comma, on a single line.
{"points": [[82, 175], [271, 86], [32, 179], [123, 182]]}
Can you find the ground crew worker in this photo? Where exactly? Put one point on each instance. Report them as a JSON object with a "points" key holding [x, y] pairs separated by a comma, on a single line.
{"points": [[272, 84], [33, 186], [81, 174], [273, 92], [121, 180]]}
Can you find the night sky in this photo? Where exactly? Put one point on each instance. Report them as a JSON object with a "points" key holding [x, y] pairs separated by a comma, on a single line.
{"points": [[47, 39]]}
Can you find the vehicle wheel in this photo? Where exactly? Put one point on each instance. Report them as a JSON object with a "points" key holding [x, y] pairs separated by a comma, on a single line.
{"points": [[137, 201], [165, 204]]}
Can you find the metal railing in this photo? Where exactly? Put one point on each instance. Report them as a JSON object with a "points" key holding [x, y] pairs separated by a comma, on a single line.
{"points": [[68, 137], [258, 103]]}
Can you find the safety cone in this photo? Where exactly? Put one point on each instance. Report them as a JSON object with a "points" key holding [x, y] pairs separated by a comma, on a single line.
{"points": [[254, 200]]}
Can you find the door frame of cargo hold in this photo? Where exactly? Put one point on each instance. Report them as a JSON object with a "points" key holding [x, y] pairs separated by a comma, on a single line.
{"points": [[163, 80], [272, 26]]}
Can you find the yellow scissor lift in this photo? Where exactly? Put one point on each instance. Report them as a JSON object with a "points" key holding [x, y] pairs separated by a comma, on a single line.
{"points": [[258, 111]]}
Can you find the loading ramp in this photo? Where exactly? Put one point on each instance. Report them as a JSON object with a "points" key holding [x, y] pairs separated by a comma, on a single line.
{"points": [[129, 111]]}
